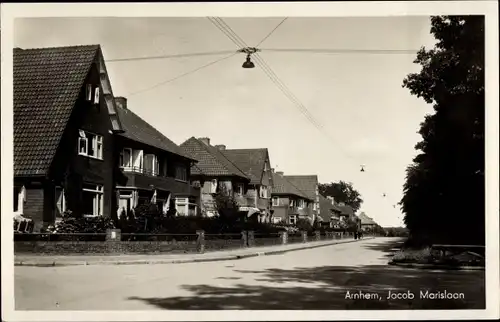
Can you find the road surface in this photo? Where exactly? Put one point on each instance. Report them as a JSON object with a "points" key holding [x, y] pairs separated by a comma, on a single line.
{"points": [[325, 278]]}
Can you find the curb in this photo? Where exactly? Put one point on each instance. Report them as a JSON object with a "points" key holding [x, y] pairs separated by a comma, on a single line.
{"points": [[432, 266], [178, 261]]}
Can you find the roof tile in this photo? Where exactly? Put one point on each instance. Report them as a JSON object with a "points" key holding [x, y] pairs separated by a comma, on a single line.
{"points": [[211, 161], [250, 161], [137, 129], [47, 82], [283, 186]]}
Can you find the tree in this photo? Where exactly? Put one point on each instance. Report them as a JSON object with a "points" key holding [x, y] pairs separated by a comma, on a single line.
{"points": [[227, 207], [342, 192], [444, 189]]}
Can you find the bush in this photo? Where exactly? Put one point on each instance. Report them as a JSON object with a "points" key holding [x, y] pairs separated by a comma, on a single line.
{"points": [[304, 224], [73, 224], [421, 256]]}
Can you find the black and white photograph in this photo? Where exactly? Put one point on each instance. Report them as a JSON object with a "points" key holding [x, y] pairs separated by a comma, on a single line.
{"points": [[271, 161]]}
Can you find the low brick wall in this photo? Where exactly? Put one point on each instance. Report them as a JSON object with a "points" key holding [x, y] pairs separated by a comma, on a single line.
{"points": [[108, 248], [116, 243]]}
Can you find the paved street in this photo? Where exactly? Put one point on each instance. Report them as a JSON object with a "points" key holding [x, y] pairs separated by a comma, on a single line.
{"points": [[308, 279]]}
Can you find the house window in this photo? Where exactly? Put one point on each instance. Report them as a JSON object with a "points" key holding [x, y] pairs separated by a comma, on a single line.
{"points": [[96, 96], [276, 201], [126, 158], [302, 203], [263, 192], [181, 173], [60, 202], [240, 190], [213, 186], [151, 164], [292, 219], [89, 92], [181, 205], [93, 200], [292, 203], [277, 220], [90, 145]]}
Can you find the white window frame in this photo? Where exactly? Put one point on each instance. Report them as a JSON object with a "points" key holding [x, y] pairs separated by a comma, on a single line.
{"points": [[276, 201], [292, 203], [213, 186], [182, 203], [96, 96], [155, 166], [98, 200], [89, 92], [97, 144], [240, 189], [294, 217], [63, 198], [301, 203], [130, 159], [277, 220]]}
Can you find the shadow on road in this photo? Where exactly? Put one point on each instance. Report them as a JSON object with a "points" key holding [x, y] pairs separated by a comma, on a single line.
{"points": [[325, 288], [388, 248]]}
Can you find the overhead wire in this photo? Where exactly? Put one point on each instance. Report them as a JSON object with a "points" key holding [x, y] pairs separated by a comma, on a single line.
{"points": [[222, 52], [272, 31], [180, 76], [226, 29], [268, 71], [344, 51]]}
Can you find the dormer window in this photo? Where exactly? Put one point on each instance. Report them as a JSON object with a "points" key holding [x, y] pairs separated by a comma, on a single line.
{"points": [[240, 190], [96, 96], [88, 94]]}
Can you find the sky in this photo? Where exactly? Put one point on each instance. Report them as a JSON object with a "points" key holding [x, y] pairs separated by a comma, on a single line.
{"points": [[358, 98]]}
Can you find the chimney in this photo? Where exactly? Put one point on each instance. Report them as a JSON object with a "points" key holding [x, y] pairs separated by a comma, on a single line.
{"points": [[221, 147], [205, 140], [279, 173], [121, 102]]}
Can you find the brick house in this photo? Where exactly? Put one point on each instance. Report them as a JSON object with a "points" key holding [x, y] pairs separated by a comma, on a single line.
{"points": [[367, 223], [68, 135], [310, 186], [215, 172], [150, 164], [256, 164], [288, 202], [330, 212]]}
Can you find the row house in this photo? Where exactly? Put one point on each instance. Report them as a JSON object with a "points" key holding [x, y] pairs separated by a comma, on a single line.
{"points": [[330, 212], [367, 223], [256, 164], [215, 173], [289, 203], [78, 148], [310, 186], [245, 173]]}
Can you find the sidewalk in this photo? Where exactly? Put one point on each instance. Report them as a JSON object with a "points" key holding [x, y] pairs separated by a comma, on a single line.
{"points": [[45, 261]]}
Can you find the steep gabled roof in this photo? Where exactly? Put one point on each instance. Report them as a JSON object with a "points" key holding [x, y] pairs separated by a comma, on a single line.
{"points": [[250, 161], [282, 186], [365, 220], [211, 161], [137, 129], [307, 184], [346, 210], [47, 83]]}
